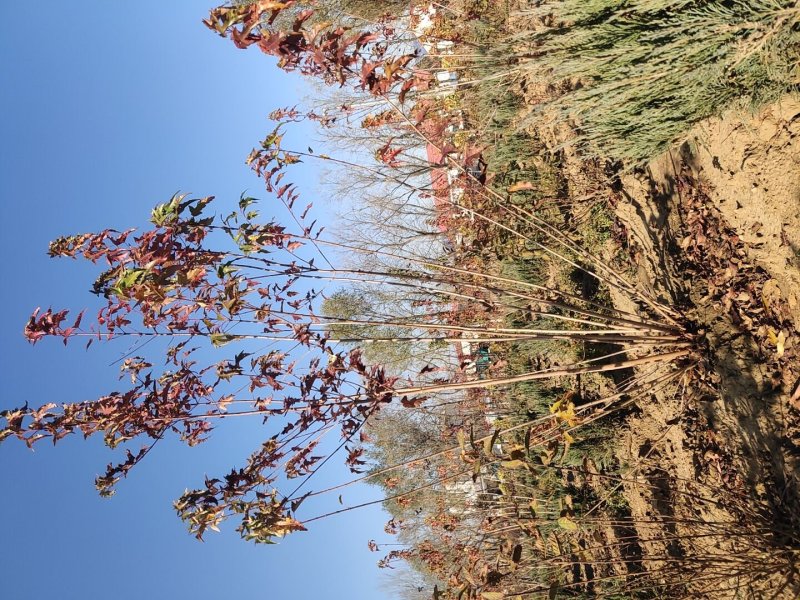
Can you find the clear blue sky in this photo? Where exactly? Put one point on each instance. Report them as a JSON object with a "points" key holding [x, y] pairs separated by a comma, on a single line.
{"points": [[108, 107]]}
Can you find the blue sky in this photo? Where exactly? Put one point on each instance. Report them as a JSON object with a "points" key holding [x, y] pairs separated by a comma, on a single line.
{"points": [[108, 108]]}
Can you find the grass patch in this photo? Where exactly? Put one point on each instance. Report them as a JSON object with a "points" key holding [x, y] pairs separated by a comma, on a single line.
{"points": [[642, 72]]}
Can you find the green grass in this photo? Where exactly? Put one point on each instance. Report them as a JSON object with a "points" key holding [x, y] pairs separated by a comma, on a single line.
{"points": [[650, 69]]}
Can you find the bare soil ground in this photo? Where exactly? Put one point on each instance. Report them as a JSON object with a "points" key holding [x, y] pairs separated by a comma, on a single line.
{"points": [[714, 228]]}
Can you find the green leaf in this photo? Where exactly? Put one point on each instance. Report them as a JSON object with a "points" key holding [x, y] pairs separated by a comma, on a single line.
{"points": [[245, 201], [126, 279], [220, 339], [167, 212], [225, 269]]}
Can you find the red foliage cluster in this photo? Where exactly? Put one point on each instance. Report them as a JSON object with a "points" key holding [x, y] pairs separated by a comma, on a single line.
{"points": [[168, 281], [335, 55], [174, 285], [49, 323]]}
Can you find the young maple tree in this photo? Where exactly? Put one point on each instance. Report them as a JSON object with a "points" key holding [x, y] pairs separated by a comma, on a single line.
{"points": [[224, 281], [167, 282]]}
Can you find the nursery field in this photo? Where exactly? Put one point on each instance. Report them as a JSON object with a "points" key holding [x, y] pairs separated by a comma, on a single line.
{"points": [[555, 322]]}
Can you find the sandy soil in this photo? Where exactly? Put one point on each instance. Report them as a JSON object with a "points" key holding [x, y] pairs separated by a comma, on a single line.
{"points": [[752, 165], [715, 229]]}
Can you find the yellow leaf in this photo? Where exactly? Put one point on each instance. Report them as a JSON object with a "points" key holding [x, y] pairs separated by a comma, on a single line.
{"points": [[772, 336], [778, 340], [513, 464], [780, 345], [567, 524]]}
